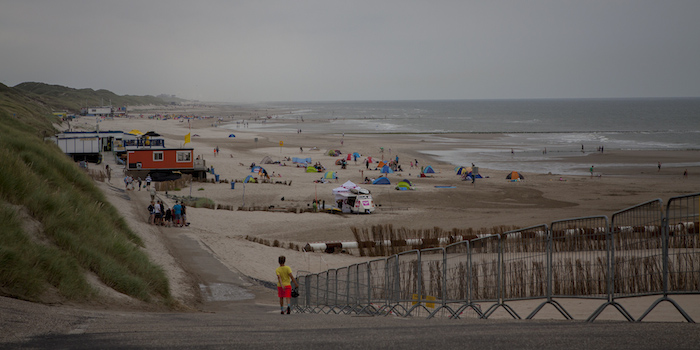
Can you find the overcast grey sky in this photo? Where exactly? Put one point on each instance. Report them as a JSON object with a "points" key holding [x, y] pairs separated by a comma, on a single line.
{"points": [[252, 51]]}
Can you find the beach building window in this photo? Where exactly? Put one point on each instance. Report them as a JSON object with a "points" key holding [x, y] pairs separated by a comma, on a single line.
{"points": [[157, 156], [184, 156]]}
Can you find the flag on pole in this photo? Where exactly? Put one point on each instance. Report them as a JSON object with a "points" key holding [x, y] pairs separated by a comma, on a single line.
{"points": [[187, 138]]}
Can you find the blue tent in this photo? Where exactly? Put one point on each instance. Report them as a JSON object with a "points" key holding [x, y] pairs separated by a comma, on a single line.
{"points": [[381, 181], [462, 170], [231, 135], [428, 170], [256, 169], [386, 170]]}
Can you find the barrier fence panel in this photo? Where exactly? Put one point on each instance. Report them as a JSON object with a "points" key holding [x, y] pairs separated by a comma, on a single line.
{"points": [[525, 268], [638, 246], [321, 291], [331, 291], [682, 251], [458, 279], [432, 282], [484, 255], [408, 277], [341, 289], [378, 285], [580, 257], [682, 214], [393, 283], [352, 288], [362, 288]]}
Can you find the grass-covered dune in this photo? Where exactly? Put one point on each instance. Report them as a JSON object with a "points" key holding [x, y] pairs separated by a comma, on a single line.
{"points": [[56, 225]]}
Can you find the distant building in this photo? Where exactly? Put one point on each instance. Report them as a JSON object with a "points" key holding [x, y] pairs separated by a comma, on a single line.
{"points": [[105, 111]]}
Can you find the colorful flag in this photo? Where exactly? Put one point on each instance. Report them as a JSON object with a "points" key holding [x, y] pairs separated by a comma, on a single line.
{"points": [[187, 138]]}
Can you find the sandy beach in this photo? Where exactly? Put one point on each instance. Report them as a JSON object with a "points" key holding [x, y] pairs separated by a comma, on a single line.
{"points": [[491, 201]]}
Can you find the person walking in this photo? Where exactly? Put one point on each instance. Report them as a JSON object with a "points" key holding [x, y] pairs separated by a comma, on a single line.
{"points": [[148, 182], [284, 287]]}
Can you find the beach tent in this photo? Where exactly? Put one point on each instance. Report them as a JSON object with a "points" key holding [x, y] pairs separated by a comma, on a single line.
{"points": [[386, 170], [255, 169], [339, 161], [330, 175], [334, 153], [248, 179], [404, 185], [231, 135], [515, 176], [311, 169], [463, 170], [349, 157], [428, 170], [381, 164], [381, 181], [266, 160], [301, 160]]}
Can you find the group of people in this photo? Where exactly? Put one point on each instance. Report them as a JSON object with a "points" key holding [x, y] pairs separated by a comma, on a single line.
{"points": [[129, 182], [176, 215]]}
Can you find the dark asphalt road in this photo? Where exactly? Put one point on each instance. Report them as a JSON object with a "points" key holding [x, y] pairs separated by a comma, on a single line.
{"points": [[249, 326]]}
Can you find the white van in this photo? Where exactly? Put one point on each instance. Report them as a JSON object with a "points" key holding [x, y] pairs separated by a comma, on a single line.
{"points": [[357, 203]]}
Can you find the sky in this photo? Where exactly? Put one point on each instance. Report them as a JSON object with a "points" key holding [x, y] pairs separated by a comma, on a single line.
{"points": [[259, 50]]}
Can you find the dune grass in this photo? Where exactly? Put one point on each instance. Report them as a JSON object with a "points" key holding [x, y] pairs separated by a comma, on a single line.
{"points": [[79, 230]]}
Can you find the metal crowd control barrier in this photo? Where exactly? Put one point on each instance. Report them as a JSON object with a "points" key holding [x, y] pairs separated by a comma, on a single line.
{"points": [[681, 253], [642, 251], [486, 274], [458, 280]]}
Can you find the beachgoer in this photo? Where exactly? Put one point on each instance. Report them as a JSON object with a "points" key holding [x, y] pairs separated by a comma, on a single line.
{"points": [[284, 287], [168, 218], [659, 166], [177, 213], [126, 182], [159, 213], [153, 193], [183, 215], [591, 170], [151, 213], [148, 181], [139, 181], [685, 173], [108, 171]]}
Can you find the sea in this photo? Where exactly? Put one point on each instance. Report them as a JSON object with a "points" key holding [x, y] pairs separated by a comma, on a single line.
{"points": [[522, 129]]}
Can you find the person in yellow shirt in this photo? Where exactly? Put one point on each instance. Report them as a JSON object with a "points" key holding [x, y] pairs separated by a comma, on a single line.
{"points": [[284, 286]]}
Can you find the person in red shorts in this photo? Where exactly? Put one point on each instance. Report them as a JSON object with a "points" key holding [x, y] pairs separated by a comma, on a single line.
{"points": [[284, 285]]}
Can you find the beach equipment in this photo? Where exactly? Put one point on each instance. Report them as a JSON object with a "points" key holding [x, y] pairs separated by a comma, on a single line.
{"points": [[334, 153], [386, 170], [382, 164], [256, 169], [297, 160], [356, 155], [248, 179], [349, 156], [330, 175], [135, 132], [463, 170], [428, 170], [381, 181], [339, 161], [404, 185], [514, 175], [151, 134], [311, 169], [266, 160], [231, 135]]}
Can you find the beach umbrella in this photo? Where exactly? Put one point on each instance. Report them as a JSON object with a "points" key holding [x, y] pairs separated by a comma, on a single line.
{"points": [[231, 135], [151, 133], [135, 132]]}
